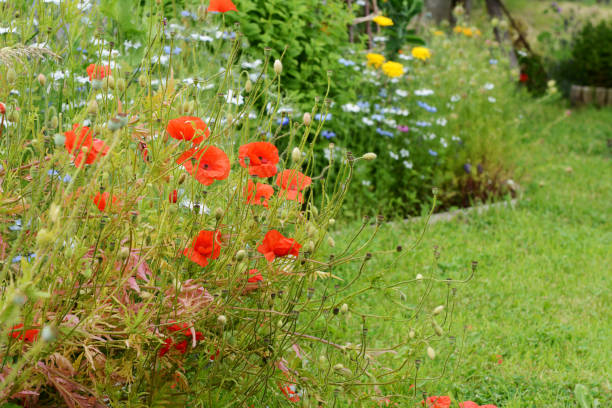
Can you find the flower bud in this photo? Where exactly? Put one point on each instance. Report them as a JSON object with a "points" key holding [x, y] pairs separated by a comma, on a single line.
{"points": [[344, 308], [92, 107], [222, 320], [248, 86], [96, 83], [411, 333], [53, 122], [296, 154], [182, 178], [59, 139], [307, 119], [219, 213], [121, 84], [419, 277], [142, 81], [49, 333], [309, 246], [339, 367], [124, 253], [11, 76], [109, 82], [494, 22], [331, 242], [438, 310], [322, 359], [332, 221], [369, 156], [437, 328], [114, 124], [431, 353], [54, 212], [278, 67], [240, 255], [44, 237], [42, 80]]}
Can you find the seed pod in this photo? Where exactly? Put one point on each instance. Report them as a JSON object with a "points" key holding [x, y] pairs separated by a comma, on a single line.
{"points": [[11, 76], [42, 79], [53, 122], [222, 320], [49, 333], [142, 81], [331, 221], [411, 333], [331, 242], [431, 353], [419, 277], [344, 308], [369, 156], [92, 107], [124, 253], [296, 154], [307, 119], [438, 310], [241, 255], [248, 86], [59, 139], [182, 178], [437, 328], [121, 84]]}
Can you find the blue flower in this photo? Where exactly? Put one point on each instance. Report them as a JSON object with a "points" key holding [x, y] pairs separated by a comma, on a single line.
{"points": [[174, 51], [363, 104], [318, 116], [427, 107], [186, 13], [493, 61], [384, 132], [422, 123], [382, 93], [16, 226], [284, 121], [432, 153], [467, 167], [328, 134], [377, 117], [345, 62], [18, 258]]}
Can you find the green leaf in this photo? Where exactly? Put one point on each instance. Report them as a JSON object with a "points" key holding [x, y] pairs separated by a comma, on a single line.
{"points": [[581, 393]]}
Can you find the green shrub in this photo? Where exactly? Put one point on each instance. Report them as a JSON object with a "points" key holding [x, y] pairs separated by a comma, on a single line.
{"points": [[590, 63]]}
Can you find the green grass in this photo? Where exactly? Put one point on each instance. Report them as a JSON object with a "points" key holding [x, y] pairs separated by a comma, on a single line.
{"points": [[542, 292]]}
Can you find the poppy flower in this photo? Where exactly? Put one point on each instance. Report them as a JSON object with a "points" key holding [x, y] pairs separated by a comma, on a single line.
{"points": [[290, 392], [263, 158], [29, 336], [257, 192], [255, 276], [98, 72], [206, 164], [523, 77], [101, 199], [276, 245], [207, 245], [472, 404], [221, 6], [186, 127], [84, 147], [166, 348], [173, 197], [437, 402], [292, 182], [2, 108]]}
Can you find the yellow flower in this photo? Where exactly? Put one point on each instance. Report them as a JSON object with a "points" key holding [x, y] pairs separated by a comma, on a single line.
{"points": [[438, 33], [477, 32], [457, 29], [383, 21], [421, 53], [375, 59], [467, 32], [393, 69]]}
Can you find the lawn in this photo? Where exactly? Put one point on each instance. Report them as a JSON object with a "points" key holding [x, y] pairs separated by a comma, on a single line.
{"points": [[535, 320]]}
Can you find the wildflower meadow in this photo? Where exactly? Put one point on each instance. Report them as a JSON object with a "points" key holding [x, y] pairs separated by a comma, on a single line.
{"points": [[245, 203]]}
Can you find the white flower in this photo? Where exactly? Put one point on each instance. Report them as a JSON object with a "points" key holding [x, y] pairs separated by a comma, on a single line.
{"points": [[423, 92], [351, 107], [4, 30], [443, 142], [251, 65], [402, 93], [366, 183], [390, 122], [441, 121], [488, 86], [394, 155], [407, 164], [455, 98], [492, 99], [404, 153], [367, 121]]}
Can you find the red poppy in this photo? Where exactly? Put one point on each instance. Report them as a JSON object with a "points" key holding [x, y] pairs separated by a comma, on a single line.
{"points": [[261, 192], [2, 108], [275, 244], [181, 346], [255, 276], [290, 392], [221, 6], [101, 199], [263, 158], [207, 245], [523, 77], [166, 348], [98, 72], [173, 196], [29, 336], [206, 164], [84, 147], [292, 182], [472, 404], [437, 402], [186, 127]]}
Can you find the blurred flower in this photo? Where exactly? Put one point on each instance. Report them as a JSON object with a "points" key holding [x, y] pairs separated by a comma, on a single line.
{"points": [[101, 199], [275, 245], [423, 92], [206, 164], [458, 29], [175, 50], [421, 53], [493, 61], [263, 158], [403, 129], [207, 245], [320, 117], [28, 336], [432, 153], [84, 148], [422, 123], [345, 62], [393, 69], [437, 402], [438, 33], [221, 6], [384, 132], [97, 72], [283, 121], [467, 31], [427, 107], [467, 167], [328, 134], [259, 193], [291, 183], [255, 276], [523, 77], [383, 21], [375, 59], [367, 121]]}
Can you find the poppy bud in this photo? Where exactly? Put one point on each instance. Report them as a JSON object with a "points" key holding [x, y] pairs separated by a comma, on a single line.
{"points": [[96, 83], [248, 86], [44, 237], [280, 323], [114, 124], [54, 212], [437, 328], [431, 353], [369, 156], [312, 230], [219, 213], [53, 122], [438, 310], [123, 118], [49, 333], [121, 84], [419, 277], [222, 320], [202, 11], [11, 76], [314, 210], [307, 119], [13, 116], [92, 107], [332, 221], [331, 242], [296, 154], [278, 67], [124, 253], [240, 255], [42, 80], [110, 82], [411, 333], [338, 367], [142, 81], [59, 139], [344, 308], [309, 247]]}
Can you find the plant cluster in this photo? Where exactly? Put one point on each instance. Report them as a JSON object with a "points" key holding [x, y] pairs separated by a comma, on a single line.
{"points": [[164, 240]]}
